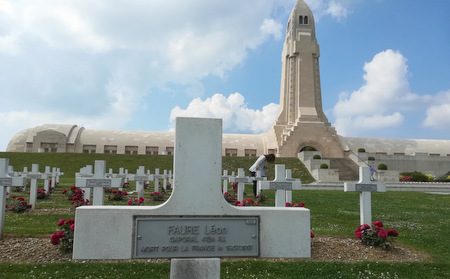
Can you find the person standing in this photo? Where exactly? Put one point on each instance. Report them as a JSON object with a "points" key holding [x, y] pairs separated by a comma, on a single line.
{"points": [[259, 165]]}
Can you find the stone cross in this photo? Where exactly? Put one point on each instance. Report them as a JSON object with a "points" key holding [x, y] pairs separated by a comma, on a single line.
{"points": [[289, 178], [365, 186], [6, 181], [47, 181], [35, 175], [122, 175], [225, 179], [281, 185], [85, 172], [99, 182], [141, 177], [241, 180], [156, 178]]}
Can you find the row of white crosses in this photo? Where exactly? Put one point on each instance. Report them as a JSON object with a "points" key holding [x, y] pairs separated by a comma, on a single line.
{"points": [[54, 175], [99, 180], [283, 184]]}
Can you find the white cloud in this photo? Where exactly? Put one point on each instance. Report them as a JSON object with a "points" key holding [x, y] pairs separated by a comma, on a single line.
{"points": [[379, 103], [338, 9], [438, 115], [236, 116]]}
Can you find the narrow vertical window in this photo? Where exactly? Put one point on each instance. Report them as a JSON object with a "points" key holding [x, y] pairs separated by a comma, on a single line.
{"points": [[300, 19], [305, 21]]}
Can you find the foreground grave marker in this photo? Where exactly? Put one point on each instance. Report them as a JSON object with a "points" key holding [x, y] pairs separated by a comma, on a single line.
{"points": [[195, 221], [365, 186]]}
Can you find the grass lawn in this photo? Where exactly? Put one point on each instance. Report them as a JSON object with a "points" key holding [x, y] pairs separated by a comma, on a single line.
{"points": [[421, 219]]}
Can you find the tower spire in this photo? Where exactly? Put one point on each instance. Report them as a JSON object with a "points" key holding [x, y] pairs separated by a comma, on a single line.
{"points": [[300, 91]]}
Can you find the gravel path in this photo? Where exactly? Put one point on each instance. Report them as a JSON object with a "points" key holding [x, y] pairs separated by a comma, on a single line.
{"points": [[39, 250]]}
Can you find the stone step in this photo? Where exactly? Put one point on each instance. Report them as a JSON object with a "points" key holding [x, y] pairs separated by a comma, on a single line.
{"points": [[348, 170]]}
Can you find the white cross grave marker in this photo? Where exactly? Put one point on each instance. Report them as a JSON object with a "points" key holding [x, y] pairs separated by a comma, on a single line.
{"points": [[225, 179], [241, 180], [47, 181], [281, 185], [6, 181], [365, 186], [99, 182], [140, 177], [156, 178], [35, 175]]}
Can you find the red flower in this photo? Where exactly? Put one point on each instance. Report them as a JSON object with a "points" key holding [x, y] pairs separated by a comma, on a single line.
{"points": [[72, 187], [141, 199], [236, 203], [64, 191], [312, 235], [70, 221], [21, 198], [114, 192], [392, 233], [302, 204], [72, 227], [124, 193], [288, 204], [382, 233], [129, 202], [61, 222], [378, 224], [359, 234], [54, 239]]}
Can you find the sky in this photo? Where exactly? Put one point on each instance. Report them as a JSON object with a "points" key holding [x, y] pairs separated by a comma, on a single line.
{"points": [[136, 64]]}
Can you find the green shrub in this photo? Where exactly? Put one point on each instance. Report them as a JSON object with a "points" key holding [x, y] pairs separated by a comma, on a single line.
{"points": [[416, 176], [362, 150], [324, 166], [317, 157], [382, 167]]}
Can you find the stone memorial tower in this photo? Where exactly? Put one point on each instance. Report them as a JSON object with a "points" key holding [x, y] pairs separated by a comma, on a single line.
{"points": [[301, 121]]}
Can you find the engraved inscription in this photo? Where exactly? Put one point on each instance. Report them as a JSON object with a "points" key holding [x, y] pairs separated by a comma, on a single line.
{"points": [[98, 183], [7, 182], [366, 187], [196, 237], [280, 185]]}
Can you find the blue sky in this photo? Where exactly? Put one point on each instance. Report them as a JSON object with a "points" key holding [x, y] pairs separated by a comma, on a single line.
{"points": [[135, 65]]}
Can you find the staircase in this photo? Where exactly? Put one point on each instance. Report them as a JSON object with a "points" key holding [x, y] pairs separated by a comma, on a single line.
{"points": [[348, 170]]}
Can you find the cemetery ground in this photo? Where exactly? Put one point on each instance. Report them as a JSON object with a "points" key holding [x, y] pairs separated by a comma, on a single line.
{"points": [[422, 249]]}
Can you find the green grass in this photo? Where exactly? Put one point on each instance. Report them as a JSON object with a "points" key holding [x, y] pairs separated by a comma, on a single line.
{"points": [[420, 218]]}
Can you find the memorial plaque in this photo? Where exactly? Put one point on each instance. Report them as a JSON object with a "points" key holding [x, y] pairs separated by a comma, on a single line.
{"points": [[98, 182], [366, 187], [280, 186], [7, 182], [196, 237]]}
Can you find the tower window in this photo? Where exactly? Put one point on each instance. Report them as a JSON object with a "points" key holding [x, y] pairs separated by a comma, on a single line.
{"points": [[303, 20]]}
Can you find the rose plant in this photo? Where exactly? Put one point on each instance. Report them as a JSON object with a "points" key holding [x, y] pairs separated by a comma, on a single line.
{"points": [[301, 204], [117, 195], [157, 196], [376, 236], [229, 197], [18, 205], [64, 235], [42, 194], [136, 201]]}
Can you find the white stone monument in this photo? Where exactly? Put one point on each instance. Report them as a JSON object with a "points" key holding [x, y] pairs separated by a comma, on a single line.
{"points": [[196, 221], [365, 186]]}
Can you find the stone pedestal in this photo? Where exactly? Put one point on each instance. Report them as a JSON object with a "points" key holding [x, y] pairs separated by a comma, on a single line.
{"points": [[195, 268]]}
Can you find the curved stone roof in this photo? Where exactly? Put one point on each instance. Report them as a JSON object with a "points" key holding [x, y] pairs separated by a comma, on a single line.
{"points": [[391, 146]]}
